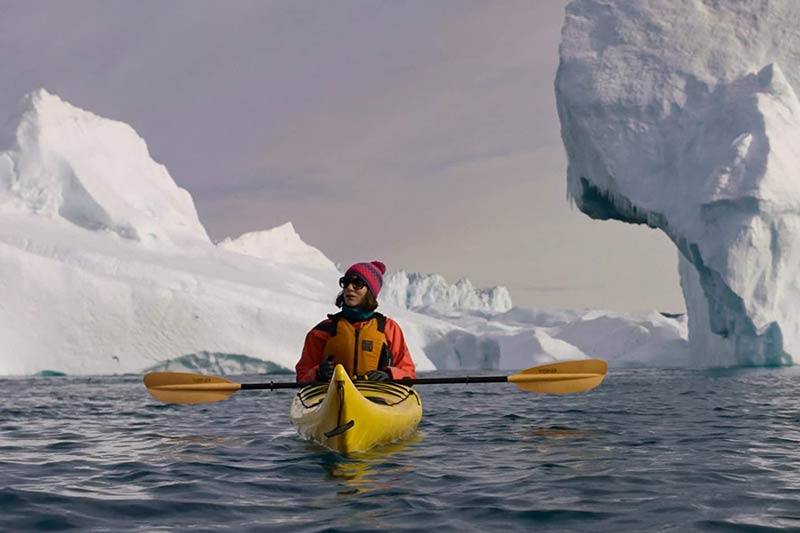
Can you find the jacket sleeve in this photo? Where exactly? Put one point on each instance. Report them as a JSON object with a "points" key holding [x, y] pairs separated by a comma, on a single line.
{"points": [[306, 367], [403, 365]]}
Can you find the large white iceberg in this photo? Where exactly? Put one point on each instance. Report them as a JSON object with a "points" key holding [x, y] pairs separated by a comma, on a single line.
{"points": [[684, 116], [105, 268]]}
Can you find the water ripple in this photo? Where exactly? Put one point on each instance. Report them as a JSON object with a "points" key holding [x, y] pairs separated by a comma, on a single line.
{"points": [[649, 450]]}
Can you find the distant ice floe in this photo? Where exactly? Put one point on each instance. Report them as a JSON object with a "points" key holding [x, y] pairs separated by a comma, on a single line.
{"points": [[413, 290]]}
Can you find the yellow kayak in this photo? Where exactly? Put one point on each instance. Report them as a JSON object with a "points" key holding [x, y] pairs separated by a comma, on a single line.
{"points": [[348, 416]]}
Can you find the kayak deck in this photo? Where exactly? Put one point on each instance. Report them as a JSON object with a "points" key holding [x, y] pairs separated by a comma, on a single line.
{"points": [[348, 416]]}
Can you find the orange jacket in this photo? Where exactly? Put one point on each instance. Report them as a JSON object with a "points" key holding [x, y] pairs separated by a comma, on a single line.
{"points": [[314, 347]]}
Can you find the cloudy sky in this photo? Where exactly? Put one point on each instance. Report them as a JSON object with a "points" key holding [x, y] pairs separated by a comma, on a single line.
{"points": [[422, 133]]}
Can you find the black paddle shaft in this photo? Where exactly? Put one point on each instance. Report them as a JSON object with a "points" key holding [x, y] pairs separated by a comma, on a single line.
{"points": [[406, 381], [462, 379]]}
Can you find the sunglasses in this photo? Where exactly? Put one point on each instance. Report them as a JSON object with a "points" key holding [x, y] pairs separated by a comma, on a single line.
{"points": [[357, 283]]}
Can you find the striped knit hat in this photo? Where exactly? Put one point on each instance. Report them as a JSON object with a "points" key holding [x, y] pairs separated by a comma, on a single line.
{"points": [[371, 273]]}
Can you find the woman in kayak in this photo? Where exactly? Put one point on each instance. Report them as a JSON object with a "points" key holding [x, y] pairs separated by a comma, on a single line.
{"points": [[368, 344]]}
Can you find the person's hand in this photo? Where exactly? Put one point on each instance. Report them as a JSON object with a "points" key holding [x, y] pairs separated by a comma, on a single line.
{"points": [[378, 375], [325, 369]]}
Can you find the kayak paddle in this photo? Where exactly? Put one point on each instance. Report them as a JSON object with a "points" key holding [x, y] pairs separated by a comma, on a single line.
{"points": [[555, 378]]}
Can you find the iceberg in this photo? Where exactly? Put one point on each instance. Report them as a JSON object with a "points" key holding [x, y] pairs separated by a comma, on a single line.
{"points": [[105, 268], [73, 167], [414, 290], [683, 116]]}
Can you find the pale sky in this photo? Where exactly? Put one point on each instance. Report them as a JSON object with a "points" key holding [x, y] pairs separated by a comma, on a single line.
{"points": [[421, 133]]}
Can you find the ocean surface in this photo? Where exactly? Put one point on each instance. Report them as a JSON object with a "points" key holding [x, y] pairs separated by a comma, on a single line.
{"points": [[649, 450]]}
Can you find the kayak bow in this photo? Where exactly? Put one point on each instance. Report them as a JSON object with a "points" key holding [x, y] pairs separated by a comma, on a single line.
{"points": [[348, 416]]}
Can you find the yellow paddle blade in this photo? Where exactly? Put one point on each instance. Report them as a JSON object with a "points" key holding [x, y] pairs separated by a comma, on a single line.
{"points": [[562, 378], [185, 387]]}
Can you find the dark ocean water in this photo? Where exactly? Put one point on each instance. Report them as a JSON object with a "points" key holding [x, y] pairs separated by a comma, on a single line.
{"points": [[649, 450]]}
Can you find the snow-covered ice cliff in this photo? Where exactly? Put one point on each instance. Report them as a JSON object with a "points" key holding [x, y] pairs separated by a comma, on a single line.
{"points": [[683, 115]]}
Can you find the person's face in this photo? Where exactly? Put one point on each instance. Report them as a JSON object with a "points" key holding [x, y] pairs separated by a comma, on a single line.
{"points": [[355, 290]]}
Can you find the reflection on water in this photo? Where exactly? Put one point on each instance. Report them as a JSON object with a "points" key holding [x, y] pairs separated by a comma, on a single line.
{"points": [[371, 470], [193, 447], [556, 433]]}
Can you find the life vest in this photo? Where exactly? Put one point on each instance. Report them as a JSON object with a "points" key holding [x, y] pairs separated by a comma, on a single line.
{"points": [[358, 350]]}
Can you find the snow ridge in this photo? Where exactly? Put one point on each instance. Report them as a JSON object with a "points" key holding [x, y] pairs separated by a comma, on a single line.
{"points": [[280, 245]]}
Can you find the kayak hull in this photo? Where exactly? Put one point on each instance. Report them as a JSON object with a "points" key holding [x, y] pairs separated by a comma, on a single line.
{"points": [[348, 416]]}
